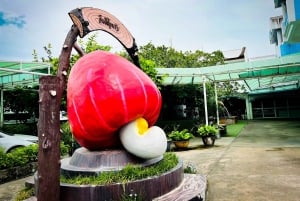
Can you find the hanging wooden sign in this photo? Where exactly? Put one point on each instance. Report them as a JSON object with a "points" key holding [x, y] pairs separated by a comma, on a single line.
{"points": [[88, 19]]}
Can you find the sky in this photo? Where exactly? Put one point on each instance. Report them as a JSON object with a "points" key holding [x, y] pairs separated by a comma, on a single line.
{"points": [[185, 25]]}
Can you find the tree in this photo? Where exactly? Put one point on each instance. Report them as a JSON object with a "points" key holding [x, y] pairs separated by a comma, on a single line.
{"points": [[230, 88], [168, 57], [87, 46], [22, 101]]}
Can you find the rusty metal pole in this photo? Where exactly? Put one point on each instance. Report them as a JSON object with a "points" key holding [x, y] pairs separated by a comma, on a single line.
{"points": [[49, 140]]}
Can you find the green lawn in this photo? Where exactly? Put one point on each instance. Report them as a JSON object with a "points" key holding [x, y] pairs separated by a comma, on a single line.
{"points": [[234, 129]]}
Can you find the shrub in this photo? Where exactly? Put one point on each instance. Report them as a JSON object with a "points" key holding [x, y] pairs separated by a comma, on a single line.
{"points": [[67, 137], [180, 135], [29, 129], [18, 157], [207, 130], [64, 149], [4, 162], [24, 155]]}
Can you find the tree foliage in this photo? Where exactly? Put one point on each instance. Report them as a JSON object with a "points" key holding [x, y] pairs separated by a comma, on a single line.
{"points": [[168, 57], [230, 88], [22, 101], [87, 46]]}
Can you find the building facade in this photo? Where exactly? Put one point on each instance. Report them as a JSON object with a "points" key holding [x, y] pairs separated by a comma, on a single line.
{"points": [[285, 29]]}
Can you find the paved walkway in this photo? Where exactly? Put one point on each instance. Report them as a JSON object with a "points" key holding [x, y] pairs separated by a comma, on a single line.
{"points": [[9, 190], [261, 164]]}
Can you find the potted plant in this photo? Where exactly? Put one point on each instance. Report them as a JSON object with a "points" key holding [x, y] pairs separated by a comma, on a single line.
{"points": [[208, 133], [181, 138]]}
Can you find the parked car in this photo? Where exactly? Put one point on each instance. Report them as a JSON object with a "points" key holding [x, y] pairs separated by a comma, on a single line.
{"points": [[8, 142]]}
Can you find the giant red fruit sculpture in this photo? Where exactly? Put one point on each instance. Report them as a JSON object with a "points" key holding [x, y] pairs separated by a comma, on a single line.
{"points": [[105, 92]]}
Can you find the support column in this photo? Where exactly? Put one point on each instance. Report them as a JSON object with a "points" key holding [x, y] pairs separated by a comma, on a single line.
{"points": [[1, 109], [249, 108], [216, 100], [205, 100]]}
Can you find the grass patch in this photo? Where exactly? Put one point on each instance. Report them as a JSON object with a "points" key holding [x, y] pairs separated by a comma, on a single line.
{"points": [[129, 173], [24, 194], [234, 129]]}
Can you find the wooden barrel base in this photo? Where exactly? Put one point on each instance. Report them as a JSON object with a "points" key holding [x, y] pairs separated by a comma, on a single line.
{"points": [[146, 189], [167, 187]]}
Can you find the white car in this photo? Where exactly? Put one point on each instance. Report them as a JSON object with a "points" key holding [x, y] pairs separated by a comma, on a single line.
{"points": [[9, 142]]}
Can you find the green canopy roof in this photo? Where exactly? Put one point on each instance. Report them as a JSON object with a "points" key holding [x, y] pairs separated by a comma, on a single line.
{"points": [[258, 76], [14, 73]]}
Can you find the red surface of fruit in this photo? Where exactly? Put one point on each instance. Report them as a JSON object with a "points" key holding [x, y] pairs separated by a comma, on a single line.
{"points": [[104, 92]]}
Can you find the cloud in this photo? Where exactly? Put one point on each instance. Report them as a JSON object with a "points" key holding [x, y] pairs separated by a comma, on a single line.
{"points": [[184, 25], [18, 21]]}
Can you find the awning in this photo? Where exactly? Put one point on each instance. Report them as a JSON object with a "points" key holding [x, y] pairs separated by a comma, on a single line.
{"points": [[13, 73], [258, 76]]}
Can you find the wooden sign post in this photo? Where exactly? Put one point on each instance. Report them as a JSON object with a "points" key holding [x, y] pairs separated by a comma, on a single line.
{"points": [[49, 140]]}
